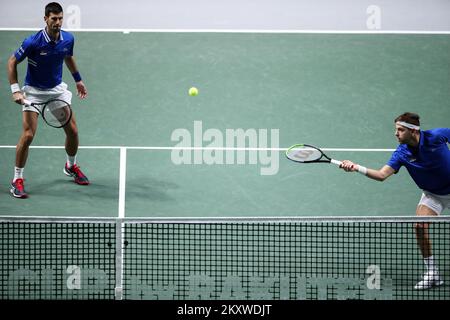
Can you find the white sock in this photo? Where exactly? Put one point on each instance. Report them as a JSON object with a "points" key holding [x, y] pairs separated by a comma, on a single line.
{"points": [[71, 160], [18, 173], [429, 263]]}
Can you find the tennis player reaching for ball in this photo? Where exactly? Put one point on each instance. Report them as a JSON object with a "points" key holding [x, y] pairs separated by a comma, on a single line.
{"points": [[46, 51], [426, 156]]}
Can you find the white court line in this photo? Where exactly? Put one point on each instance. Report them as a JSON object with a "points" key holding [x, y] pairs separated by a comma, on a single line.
{"points": [[120, 226], [122, 181], [269, 31], [204, 148]]}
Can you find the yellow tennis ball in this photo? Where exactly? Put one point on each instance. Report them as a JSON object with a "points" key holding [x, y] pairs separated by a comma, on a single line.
{"points": [[193, 91]]}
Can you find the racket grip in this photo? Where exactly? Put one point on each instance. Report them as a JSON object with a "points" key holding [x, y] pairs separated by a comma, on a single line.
{"points": [[336, 162], [26, 102]]}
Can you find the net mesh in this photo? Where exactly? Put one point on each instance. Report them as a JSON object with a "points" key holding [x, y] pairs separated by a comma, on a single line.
{"points": [[57, 260], [217, 260]]}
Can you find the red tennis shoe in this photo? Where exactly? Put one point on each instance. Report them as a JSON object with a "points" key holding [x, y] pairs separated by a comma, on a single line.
{"points": [[76, 173]]}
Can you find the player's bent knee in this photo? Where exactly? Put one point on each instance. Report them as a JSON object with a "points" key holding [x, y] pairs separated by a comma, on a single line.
{"points": [[72, 130], [27, 137]]}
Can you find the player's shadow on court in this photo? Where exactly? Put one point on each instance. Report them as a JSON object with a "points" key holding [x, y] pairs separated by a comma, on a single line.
{"points": [[150, 189], [98, 189]]}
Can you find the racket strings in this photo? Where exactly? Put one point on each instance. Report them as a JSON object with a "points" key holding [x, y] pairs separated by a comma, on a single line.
{"points": [[303, 154], [57, 113]]}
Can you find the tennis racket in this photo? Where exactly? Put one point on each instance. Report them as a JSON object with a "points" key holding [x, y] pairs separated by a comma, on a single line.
{"points": [[306, 153], [55, 112]]}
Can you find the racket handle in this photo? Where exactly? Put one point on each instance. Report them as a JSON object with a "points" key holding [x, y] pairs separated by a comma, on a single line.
{"points": [[26, 102], [336, 162]]}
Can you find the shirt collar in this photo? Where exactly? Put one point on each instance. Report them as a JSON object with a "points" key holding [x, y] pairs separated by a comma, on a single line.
{"points": [[420, 139], [47, 37], [419, 146]]}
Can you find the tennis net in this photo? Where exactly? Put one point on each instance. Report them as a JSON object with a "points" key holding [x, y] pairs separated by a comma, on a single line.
{"points": [[305, 258]]}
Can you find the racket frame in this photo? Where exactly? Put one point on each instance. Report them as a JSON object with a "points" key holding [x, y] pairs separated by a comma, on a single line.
{"points": [[34, 105], [318, 160]]}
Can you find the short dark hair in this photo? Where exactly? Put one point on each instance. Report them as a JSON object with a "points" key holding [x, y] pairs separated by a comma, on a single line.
{"points": [[53, 7], [409, 117]]}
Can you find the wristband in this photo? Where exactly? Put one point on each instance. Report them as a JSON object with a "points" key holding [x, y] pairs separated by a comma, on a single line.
{"points": [[362, 170], [15, 88], [76, 76]]}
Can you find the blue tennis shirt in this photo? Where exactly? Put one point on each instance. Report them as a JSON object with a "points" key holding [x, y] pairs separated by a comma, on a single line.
{"points": [[45, 58], [429, 163]]}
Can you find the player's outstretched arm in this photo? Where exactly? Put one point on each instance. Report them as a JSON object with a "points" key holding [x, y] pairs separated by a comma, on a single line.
{"points": [[379, 175]]}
